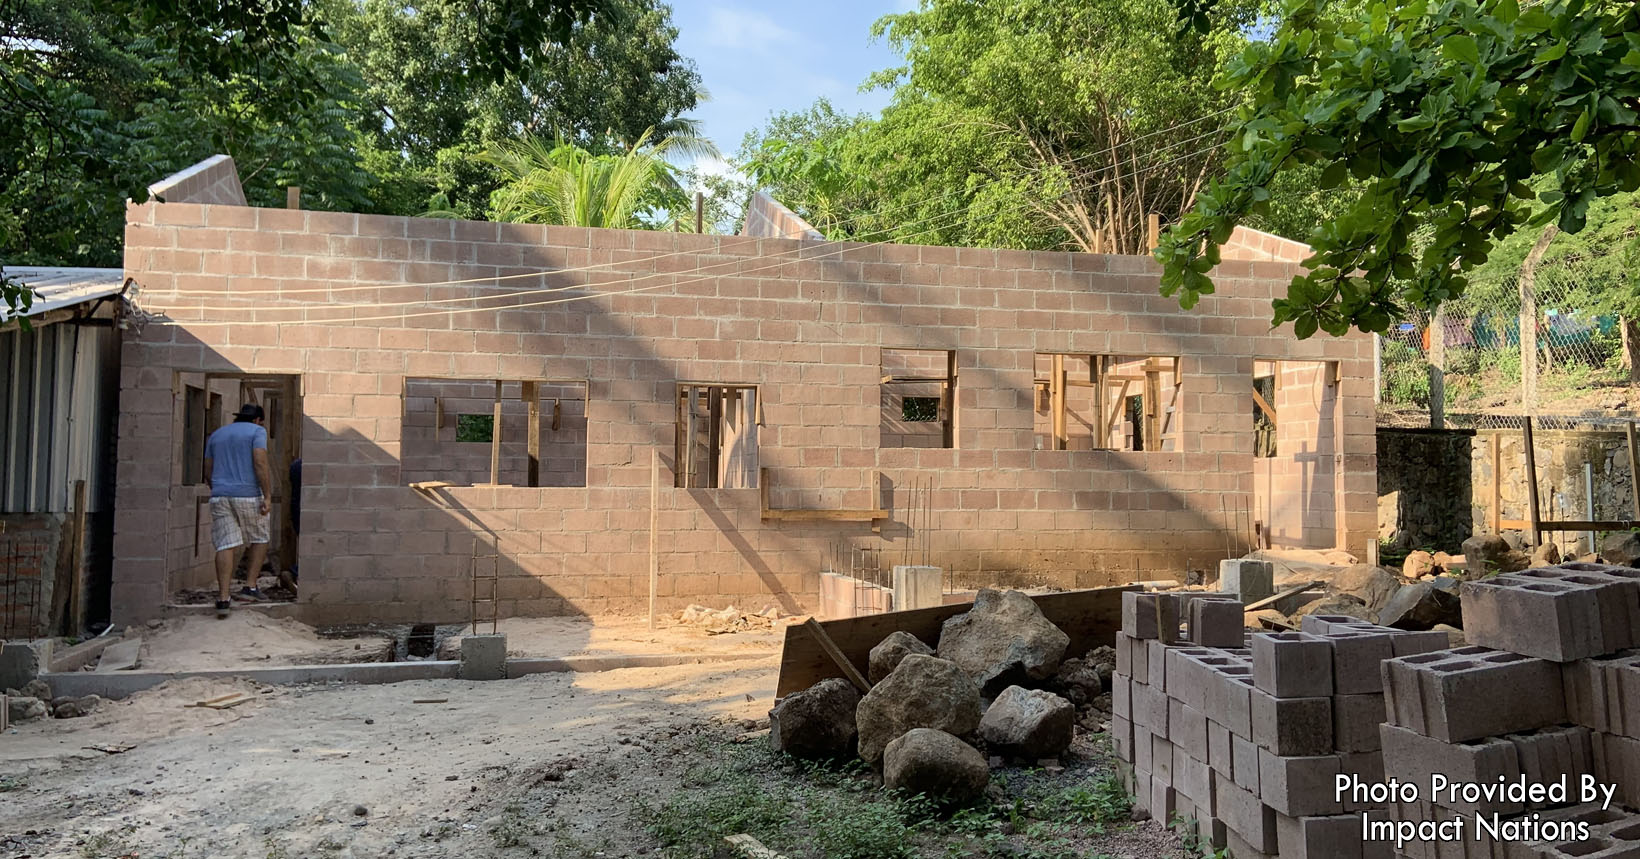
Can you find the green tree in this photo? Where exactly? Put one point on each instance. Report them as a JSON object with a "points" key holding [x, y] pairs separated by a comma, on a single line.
{"points": [[562, 183], [1447, 113], [431, 116]]}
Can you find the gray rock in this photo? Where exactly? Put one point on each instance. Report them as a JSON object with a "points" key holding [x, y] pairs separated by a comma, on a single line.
{"points": [[1079, 681], [1546, 555], [1622, 549], [1003, 641], [817, 722], [1373, 586], [37, 688], [1342, 604], [1029, 723], [69, 709], [90, 703], [26, 709], [923, 692], [1488, 553], [1421, 606], [886, 656], [935, 764]]}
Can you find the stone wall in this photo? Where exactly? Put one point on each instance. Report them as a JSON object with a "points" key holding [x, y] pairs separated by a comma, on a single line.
{"points": [[247, 290], [33, 564]]}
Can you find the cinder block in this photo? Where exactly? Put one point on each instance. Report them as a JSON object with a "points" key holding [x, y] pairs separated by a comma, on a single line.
{"points": [[1217, 623], [1124, 654], [1368, 768], [1292, 665], [918, 587], [1550, 619], [484, 657], [1322, 624], [1584, 684], [1144, 749], [1246, 816], [1335, 836], [1156, 660], [1219, 754], [1161, 759], [1249, 580], [1409, 756], [1187, 672], [1244, 763], [1355, 722], [1299, 786], [1407, 643], [1139, 655], [1228, 691], [1292, 726], [1191, 777], [1357, 656], [1187, 728], [1121, 696], [1158, 711], [1121, 738], [1163, 800], [1620, 685], [1477, 692], [1150, 615], [1141, 790]]}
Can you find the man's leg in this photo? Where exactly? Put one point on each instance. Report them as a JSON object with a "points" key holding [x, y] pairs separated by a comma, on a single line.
{"points": [[224, 572], [258, 552]]}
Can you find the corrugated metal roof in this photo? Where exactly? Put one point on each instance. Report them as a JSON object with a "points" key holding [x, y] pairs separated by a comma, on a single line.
{"points": [[55, 288]]}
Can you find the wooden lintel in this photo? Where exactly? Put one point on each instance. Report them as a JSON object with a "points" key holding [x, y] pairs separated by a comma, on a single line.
{"points": [[826, 515], [1588, 525]]}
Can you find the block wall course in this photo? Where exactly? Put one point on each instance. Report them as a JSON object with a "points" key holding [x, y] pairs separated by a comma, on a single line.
{"points": [[804, 320]]}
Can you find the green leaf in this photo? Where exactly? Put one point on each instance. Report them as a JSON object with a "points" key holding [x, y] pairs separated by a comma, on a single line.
{"points": [[1461, 49], [1550, 54], [1581, 127]]}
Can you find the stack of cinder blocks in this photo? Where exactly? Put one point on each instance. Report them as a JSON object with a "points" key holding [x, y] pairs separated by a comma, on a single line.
{"points": [[1246, 734], [1549, 688]]}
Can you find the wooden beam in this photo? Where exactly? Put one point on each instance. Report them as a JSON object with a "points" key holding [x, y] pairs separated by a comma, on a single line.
{"points": [[532, 400], [293, 197], [495, 437], [1116, 409], [949, 396], [1264, 405], [1536, 518], [796, 515], [1150, 407], [714, 435], [1272, 600], [1153, 231], [654, 533], [1497, 483], [829, 647], [1634, 468], [1056, 391], [1589, 524]]}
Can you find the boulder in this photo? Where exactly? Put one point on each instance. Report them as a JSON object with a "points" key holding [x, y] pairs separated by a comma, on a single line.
{"points": [[1546, 555], [1486, 554], [25, 709], [1421, 606], [886, 656], [1029, 723], [1003, 641], [1454, 635], [69, 709], [936, 764], [1373, 586], [1418, 565], [37, 688], [1622, 549], [1444, 562], [817, 722], [923, 692], [1344, 604]]}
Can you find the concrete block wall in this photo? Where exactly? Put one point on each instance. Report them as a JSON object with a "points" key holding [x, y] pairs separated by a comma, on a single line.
{"points": [[244, 289], [1249, 244], [922, 364], [214, 180], [767, 219], [1297, 489], [434, 453]]}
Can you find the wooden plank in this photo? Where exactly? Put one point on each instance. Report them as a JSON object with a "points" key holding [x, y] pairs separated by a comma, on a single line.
{"points": [[1153, 232], [714, 436], [1589, 524], [1090, 617], [826, 515], [1634, 468], [495, 436], [75, 613], [654, 534], [1116, 409], [838, 659], [1264, 405], [1497, 484], [1272, 600], [1056, 391], [532, 399], [949, 398], [1150, 407], [425, 485], [293, 197], [1531, 482]]}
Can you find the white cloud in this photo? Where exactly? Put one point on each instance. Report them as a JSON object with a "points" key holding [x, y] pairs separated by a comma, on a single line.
{"points": [[743, 29]]}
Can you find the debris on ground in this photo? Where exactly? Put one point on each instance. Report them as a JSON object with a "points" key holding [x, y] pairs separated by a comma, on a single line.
{"points": [[731, 619]]}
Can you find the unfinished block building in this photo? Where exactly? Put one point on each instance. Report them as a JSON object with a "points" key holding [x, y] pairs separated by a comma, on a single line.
{"points": [[458, 389]]}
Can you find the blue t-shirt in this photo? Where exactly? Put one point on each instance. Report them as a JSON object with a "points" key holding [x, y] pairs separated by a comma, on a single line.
{"points": [[233, 472]]}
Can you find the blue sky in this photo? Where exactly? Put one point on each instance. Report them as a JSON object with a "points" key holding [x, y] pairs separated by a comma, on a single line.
{"points": [[759, 58]]}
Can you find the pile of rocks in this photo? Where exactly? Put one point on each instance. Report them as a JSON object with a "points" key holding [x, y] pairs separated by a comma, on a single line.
{"points": [[937, 718], [34, 701]]}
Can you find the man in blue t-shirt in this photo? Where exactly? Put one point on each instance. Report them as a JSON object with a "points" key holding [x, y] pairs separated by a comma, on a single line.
{"points": [[236, 466]]}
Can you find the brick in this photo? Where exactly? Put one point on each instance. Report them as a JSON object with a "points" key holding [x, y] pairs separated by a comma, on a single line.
{"points": [[1144, 749], [1299, 786], [1292, 726], [1356, 659], [1192, 778], [1292, 665], [1424, 641], [1244, 763], [1326, 837], [1187, 728], [1246, 816], [1217, 623], [1220, 755], [1161, 759], [1355, 722], [1555, 620]]}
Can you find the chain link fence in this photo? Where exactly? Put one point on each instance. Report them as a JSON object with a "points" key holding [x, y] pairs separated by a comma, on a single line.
{"points": [[1484, 344]]}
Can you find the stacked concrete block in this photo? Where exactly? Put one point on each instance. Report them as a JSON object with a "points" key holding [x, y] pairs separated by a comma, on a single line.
{"points": [[1249, 740]]}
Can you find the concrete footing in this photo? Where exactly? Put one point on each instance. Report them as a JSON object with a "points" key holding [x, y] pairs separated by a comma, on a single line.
{"points": [[918, 587], [484, 657], [22, 661]]}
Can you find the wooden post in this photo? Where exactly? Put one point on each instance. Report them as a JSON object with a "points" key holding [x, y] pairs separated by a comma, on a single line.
{"points": [[293, 197], [1153, 232], [1634, 469], [700, 212], [1152, 411], [654, 536], [1528, 320], [1056, 396], [495, 437], [950, 398], [74, 615], [1531, 482], [532, 398], [1437, 369], [1497, 483]]}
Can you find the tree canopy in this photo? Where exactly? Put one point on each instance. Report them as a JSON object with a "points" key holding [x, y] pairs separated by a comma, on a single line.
{"points": [[1463, 121]]}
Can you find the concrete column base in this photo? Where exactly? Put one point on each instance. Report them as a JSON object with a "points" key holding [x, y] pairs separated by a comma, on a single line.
{"points": [[484, 657]]}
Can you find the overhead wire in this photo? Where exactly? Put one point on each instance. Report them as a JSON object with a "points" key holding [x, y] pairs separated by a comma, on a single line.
{"points": [[748, 241], [694, 277]]}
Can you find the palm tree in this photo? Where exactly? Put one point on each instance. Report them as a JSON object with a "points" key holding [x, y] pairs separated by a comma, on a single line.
{"points": [[562, 183]]}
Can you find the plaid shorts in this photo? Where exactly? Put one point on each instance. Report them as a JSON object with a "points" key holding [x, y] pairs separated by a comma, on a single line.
{"points": [[237, 521]]}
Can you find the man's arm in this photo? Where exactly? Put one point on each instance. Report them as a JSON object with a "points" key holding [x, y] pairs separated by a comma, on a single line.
{"points": [[264, 476], [206, 474]]}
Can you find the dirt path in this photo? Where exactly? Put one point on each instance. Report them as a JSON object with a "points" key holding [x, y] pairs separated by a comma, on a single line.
{"points": [[281, 776]]}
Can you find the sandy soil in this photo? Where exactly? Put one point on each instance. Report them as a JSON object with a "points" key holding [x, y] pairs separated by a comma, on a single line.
{"points": [[608, 636], [281, 776], [249, 638]]}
